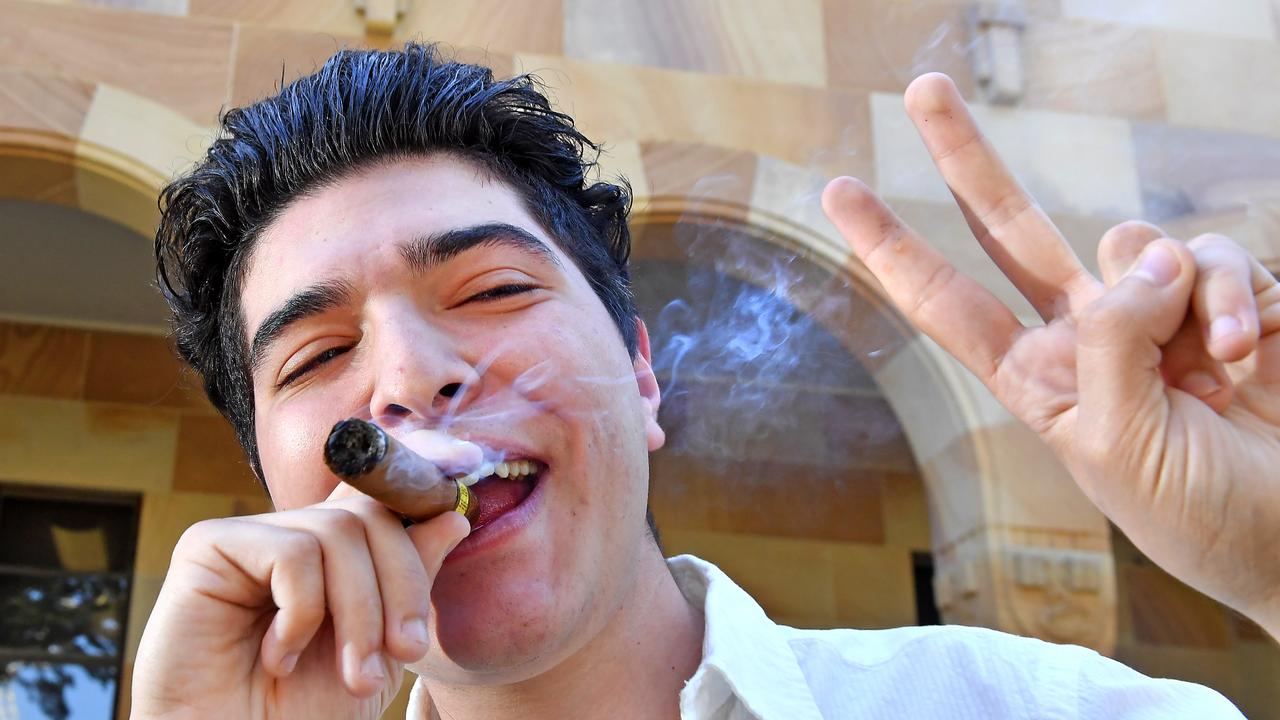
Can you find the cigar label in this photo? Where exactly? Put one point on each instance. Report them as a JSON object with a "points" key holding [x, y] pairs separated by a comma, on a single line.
{"points": [[373, 462]]}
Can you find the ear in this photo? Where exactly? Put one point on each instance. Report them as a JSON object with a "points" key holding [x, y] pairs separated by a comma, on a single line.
{"points": [[647, 383]]}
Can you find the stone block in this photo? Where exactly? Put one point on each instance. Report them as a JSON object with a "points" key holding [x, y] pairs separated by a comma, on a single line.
{"points": [[775, 40], [1077, 164], [140, 370], [1238, 18], [42, 360], [1215, 82], [174, 61], [533, 26], [209, 458], [874, 586], [77, 444]]}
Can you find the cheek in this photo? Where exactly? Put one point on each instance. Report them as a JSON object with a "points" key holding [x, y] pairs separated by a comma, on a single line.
{"points": [[291, 446]]}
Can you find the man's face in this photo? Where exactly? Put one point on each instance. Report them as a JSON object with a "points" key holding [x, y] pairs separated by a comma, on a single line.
{"points": [[394, 305]]}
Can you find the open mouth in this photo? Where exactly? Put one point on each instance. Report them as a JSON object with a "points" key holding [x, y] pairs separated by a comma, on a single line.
{"points": [[501, 487]]}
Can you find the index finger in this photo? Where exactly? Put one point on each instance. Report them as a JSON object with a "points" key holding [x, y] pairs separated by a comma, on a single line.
{"points": [[959, 314], [1006, 220]]}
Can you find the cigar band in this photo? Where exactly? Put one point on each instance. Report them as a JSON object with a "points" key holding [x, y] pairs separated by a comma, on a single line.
{"points": [[464, 498]]}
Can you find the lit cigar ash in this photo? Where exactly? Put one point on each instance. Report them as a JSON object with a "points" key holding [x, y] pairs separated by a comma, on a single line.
{"points": [[369, 459]]}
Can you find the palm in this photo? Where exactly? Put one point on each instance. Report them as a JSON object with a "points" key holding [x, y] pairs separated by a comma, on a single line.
{"points": [[1175, 437]]}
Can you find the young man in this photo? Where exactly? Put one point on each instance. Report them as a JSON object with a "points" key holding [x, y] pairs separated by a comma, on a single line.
{"points": [[407, 239]]}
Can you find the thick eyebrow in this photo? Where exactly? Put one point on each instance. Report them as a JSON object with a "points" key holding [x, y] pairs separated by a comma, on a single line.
{"points": [[305, 303], [425, 252]]}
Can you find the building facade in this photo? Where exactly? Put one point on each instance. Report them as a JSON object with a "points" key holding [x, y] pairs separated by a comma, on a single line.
{"points": [[727, 116]]}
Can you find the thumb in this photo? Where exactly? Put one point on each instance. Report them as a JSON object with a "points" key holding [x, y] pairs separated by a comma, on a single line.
{"points": [[1121, 389], [436, 538]]}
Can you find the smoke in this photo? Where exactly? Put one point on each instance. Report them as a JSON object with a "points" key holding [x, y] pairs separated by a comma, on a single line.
{"points": [[746, 374]]}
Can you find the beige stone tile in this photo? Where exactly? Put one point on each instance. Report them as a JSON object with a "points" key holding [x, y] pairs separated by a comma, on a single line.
{"points": [[165, 516], [1077, 66], [209, 459], [1255, 226], [1187, 171], [768, 498], [789, 578], [1218, 82], [123, 199], [535, 26], [1028, 485], [149, 132], [267, 56], [618, 102], [46, 102], [1076, 164], [180, 62], [885, 44], [874, 586], [1165, 612], [957, 495], [72, 443], [40, 178], [140, 370], [699, 172], [336, 17], [906, 512], [1213, 668], [777, 40], [625, 160], [914, 380], [42, 360], [1238, 18], [1258, 665], [176, 8], [794, 193]]}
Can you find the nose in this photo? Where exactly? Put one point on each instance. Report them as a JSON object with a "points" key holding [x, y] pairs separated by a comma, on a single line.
{"points": [[419, 372]]}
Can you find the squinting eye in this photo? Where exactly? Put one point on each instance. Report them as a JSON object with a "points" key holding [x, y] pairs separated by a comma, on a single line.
{"points": [[501, 291], [312, 364]]}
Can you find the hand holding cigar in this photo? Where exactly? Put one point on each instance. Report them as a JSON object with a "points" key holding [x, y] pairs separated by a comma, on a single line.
{"points": [[373, 462]]}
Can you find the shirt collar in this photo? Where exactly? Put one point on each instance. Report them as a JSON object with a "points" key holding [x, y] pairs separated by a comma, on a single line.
{"points": [[744, 654]]}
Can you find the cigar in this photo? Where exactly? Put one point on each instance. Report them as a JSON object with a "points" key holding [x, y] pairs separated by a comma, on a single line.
{"points": [[366, 457]]}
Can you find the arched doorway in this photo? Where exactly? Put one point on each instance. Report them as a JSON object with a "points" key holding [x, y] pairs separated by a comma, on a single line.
{"points": [[785, 464]]}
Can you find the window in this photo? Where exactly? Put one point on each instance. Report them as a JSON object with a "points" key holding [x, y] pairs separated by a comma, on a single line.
{"points": [[65, 566]]}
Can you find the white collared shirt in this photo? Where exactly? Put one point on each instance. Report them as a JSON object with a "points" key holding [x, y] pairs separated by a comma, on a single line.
{"points": [[754, 669]]}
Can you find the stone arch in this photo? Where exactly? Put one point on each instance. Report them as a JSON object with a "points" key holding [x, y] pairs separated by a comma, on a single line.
{"points": [[1024, 554], [91, 146]]}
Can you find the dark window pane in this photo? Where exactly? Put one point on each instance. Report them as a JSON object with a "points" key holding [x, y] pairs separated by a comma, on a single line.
{"points": [[66, 534], [40, 690], [62, 615]]}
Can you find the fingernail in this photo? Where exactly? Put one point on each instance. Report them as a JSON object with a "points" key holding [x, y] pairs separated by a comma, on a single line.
{"points": [[1157, 265], [415, 630], [1200, 384], [371, 668], [1224, 325], [288, 663]]}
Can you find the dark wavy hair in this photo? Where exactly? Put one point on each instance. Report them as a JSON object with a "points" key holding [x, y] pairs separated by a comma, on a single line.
{"points": [[360, 109]]}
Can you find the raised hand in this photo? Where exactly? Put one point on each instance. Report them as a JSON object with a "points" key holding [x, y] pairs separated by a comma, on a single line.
{"points": [[307, 613], [1158, 386]]}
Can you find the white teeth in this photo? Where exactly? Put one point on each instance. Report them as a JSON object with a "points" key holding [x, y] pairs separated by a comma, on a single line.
{"points": [[514, 468]]}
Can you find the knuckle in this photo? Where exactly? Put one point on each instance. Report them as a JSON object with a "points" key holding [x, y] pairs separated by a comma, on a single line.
{"points": [[199, 535], [343, 521], [299, 547]]}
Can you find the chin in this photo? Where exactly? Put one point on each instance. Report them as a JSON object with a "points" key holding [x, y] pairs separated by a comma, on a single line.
{"points": [[498, 633]]}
